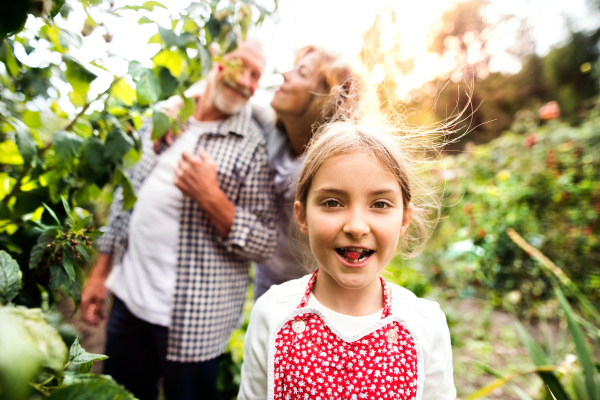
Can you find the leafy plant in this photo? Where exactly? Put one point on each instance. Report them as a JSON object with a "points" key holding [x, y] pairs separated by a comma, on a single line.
{"points": [[546, 184], [34, 355]]}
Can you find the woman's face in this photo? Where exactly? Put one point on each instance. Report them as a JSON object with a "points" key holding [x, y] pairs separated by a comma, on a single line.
{"points": [[296, 93]]}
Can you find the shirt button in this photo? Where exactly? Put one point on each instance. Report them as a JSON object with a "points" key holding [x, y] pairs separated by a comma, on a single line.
{"points": [[392, 336], [298, 326]]}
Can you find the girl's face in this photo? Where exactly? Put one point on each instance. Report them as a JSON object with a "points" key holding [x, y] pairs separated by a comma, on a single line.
{"points": [[295, 94], [354, 218]]}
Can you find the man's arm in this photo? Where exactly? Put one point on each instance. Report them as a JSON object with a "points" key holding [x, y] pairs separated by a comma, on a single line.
{"points": [[247, 228], [94, 294]]}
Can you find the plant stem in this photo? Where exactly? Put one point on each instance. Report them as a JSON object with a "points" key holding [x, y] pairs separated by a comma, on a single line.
{"points": [[26, 170]]}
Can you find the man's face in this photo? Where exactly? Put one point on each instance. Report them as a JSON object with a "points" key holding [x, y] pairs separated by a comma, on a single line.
{"points": [[237, 78]]}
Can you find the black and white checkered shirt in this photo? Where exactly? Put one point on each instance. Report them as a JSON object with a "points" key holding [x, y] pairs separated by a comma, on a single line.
{"points": [[212, 272]]}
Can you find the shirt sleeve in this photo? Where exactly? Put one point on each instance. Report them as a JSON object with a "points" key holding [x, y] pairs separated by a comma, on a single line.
{"points": [[439, 375], [254, 382], [113, 228], [253, 234]]}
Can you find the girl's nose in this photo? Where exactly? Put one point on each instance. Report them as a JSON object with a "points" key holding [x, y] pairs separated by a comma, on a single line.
{"points": [[285, 76], [356, 225]]}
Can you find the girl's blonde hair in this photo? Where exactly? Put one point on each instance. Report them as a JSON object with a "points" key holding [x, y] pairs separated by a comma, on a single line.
{"points": [[342, 93], [397, 151]]}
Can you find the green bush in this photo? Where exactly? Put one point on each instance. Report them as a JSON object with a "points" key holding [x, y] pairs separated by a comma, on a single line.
{"points": [[547, 184]]}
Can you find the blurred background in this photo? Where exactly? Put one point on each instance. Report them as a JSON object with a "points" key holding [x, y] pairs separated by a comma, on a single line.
{"points": [[521, 189]]}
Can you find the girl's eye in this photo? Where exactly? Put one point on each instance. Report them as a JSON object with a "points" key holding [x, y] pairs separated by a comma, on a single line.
{"points": [[381, 205], [331, 204]]}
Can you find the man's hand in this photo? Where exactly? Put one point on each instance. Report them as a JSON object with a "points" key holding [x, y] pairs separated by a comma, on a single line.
{"points": [[196, 177], [93, 297]]}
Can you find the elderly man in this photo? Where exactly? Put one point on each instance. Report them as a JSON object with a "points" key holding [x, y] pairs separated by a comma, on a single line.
{"points": [[177, 263]]}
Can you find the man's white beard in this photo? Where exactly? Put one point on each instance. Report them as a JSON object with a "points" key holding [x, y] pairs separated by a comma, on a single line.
{"points": [[226, 104]]}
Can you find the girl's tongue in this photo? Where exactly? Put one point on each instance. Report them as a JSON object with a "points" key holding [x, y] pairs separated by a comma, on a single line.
{"points": [[351, 255]]}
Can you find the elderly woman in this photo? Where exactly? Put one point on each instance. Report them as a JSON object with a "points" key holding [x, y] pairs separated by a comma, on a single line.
{"points": [[321, 87]]}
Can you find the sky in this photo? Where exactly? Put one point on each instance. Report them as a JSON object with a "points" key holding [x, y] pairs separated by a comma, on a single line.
{"points": [[335, 24]]}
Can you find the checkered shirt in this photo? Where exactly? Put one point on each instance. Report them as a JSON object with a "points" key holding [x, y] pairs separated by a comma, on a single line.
{"points": [[211, 272]]}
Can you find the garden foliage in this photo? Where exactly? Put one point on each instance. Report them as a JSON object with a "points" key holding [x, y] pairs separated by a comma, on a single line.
{"points": [[57, 167], [545, 185]]}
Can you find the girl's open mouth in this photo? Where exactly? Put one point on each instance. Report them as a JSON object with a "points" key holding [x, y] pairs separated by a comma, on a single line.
{"points": [[354, 255]]}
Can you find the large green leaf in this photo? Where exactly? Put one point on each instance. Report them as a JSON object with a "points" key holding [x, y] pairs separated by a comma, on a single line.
{"points": [[135, 69], [168, 83], [147, 88], [98, 388], [66, 146], [129, 196], [25, 143], [583, 353], [10, 278], [27, 344], [93, 151], [79, 78], [38, 251], [117, 144], [78, 355], [122, 92], [160, 124], [9, 153], [174, 60], [539, 358]]}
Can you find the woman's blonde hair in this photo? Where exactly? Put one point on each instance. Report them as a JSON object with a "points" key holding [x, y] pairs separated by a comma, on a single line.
{"points": [[342, 92], [398, 151]]}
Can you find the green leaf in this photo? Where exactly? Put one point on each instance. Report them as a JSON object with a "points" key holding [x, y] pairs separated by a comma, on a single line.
{"points": [[92, 389], [135, 69], [174, 60], [93, 151], [10, 278], [189, 106], [9, 153], [160, 124], [121, 91], [52, 214], [9, 59], [25, 143], [129, 197], [147, 88], [583, 354], [68, 210], [82, 223], [27, 344], [149, 5], [58, 278], [68, 265], [38, 251], [118, 143], [540, 359], [145, 20], [168, 36], [168, 83], [56, 6], [75, 350], [86, 367], [66, 146], [79, 78]]}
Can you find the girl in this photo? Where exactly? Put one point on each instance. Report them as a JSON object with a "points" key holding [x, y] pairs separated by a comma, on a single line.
{"points": [[343, 332], [321, 87]]}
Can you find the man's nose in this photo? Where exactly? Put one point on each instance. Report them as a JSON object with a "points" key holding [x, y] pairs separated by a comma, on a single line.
{"points": [[245, 80], [356, 223]]}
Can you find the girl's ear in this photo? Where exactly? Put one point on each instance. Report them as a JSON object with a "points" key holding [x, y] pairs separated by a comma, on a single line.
{"points": [[300, 217], [408, 212]]}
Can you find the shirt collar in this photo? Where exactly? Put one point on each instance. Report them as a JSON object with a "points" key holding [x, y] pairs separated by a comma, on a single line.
{"points": [[238, 124]]}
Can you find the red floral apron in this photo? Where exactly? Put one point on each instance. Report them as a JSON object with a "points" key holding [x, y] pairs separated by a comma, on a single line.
{"points": [[312, 362]]}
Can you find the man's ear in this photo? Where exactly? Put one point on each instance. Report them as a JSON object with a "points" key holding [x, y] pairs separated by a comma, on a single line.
{"points": [[300, 217]]}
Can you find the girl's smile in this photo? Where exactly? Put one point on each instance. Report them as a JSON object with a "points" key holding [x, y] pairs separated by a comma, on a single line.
{"points": [[354, 218]]}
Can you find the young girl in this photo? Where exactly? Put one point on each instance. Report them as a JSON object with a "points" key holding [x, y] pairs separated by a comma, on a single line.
{"points": [[343, 332]]}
